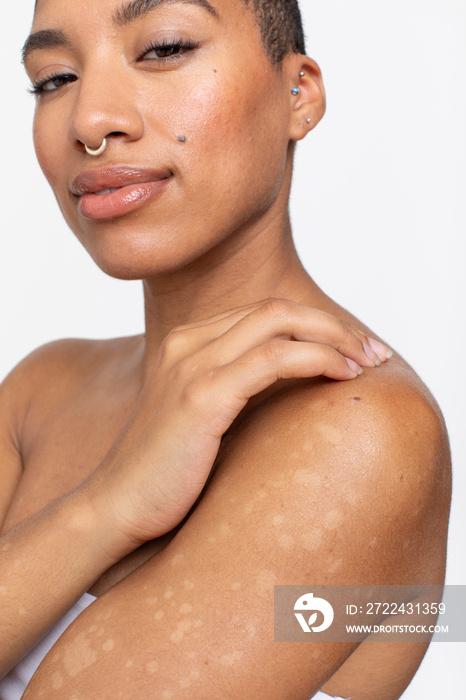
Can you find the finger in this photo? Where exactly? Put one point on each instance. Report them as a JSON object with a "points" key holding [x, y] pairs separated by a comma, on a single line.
{"points": [[286, 319], [379, 349], [186, 339], [278, 359], [234, 313]]}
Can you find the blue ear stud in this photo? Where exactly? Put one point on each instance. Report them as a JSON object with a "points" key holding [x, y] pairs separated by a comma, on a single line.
{"points": [[295, 91]]}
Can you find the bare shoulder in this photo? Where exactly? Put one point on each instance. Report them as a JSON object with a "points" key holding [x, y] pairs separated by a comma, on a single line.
{"points": [[369, 458], [52, 371], [387, 408], [68, 358], [66, 378]]}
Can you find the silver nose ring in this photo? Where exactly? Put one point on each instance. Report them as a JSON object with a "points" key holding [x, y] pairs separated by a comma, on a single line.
{"points": [[97, 151]]}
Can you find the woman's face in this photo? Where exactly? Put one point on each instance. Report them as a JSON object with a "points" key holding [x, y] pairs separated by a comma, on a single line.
{"points": [[187, 99]]}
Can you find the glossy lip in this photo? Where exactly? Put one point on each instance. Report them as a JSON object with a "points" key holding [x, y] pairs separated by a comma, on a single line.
{"points": [[135, 187]]}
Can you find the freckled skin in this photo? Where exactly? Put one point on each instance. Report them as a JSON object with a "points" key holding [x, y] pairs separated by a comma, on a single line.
{"points": [[285, 541], [176, 559], [57, 680], [332, 519], [152, 667], [181, 628], [312, 539], [109, 645], [231, 659], [79, 656], [265, 582]]}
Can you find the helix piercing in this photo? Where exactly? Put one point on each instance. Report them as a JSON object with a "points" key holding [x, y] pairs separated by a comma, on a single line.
{"points": [[97, 151]]}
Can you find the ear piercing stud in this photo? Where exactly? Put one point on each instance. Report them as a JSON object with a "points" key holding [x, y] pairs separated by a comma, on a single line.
{"points": [[296, 90], [97, 151]]}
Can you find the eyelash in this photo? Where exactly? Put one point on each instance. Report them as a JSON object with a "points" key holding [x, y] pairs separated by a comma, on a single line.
{"points": [[38, 88], [181, 45]]}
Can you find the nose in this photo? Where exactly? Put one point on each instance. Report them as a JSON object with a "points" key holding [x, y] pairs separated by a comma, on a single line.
{"points": [[106, 108]]}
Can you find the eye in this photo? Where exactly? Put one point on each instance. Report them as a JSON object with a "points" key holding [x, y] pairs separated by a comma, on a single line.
{"points": [[167, 50], [51, 83]]}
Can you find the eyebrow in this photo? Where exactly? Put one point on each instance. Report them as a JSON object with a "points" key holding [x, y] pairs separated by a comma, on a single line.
{"points": [[45, 39], [129, 12], [136, 9]]}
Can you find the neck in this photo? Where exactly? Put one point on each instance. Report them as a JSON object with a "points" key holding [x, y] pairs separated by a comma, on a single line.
{"points": [[252, 265]]}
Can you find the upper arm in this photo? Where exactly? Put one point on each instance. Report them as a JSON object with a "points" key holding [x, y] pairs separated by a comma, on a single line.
{"points": [[338, 492], [10, 457], [34, 380]]}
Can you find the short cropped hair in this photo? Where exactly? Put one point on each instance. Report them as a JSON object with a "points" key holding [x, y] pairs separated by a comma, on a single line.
{"points": [[281, 27]]}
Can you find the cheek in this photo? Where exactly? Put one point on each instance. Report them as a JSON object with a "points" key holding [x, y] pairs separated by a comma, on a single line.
{"points": [[236, 134], [49, 150]]}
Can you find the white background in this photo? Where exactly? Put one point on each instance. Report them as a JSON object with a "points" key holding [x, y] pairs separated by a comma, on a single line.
{"points": [[378, 211]]}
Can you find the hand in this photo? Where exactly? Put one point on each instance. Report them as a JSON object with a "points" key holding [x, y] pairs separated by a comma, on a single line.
{"points": [[203, 376]]}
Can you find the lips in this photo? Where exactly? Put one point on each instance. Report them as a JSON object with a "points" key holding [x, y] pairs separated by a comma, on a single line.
{"points": [[117, 190]]}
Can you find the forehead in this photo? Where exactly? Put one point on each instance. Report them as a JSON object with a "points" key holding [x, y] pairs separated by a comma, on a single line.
{"points": [[122, 8], [94, 16], [80, 24], [62, 22]]}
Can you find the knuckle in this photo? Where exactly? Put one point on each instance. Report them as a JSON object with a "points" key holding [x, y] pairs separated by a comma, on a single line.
{"points": [[345, 327], [175, 343], [329, 355], [197, 393], [272, 351], [348, 335], [277, 308]]}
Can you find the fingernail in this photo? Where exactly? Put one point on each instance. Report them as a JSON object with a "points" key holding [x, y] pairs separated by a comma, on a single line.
{"points": [[354, 366], [372, 355], [382, 350]]}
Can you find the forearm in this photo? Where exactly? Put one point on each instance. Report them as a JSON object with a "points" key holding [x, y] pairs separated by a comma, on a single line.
{"points": [[46, 564]]}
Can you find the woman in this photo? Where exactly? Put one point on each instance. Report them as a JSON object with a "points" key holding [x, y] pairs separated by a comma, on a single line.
{"points": [[166, 130]]}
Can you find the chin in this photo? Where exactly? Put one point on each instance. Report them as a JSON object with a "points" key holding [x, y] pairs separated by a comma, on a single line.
{"points": [[133, 257], [135, 267]]}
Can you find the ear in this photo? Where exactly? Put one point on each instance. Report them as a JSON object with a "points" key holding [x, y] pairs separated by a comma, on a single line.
{"points": [[308, 105]]}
